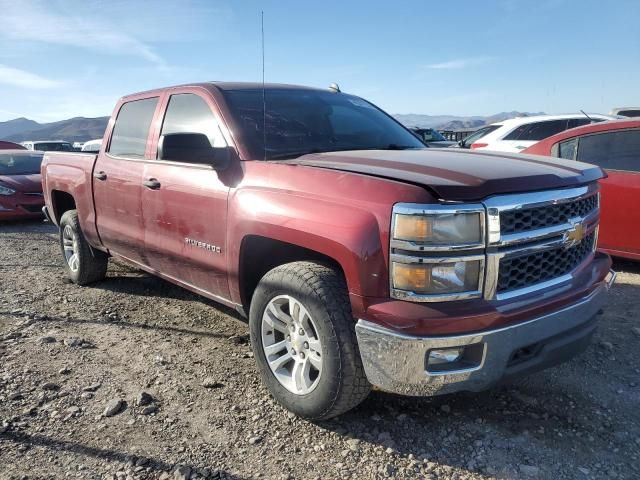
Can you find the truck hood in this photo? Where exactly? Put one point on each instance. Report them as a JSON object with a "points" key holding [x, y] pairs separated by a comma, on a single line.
{"points": [[31, 183], [459, 175]]}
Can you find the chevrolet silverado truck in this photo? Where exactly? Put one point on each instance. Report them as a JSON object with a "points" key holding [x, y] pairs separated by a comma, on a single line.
{"points": [[361, 259]]}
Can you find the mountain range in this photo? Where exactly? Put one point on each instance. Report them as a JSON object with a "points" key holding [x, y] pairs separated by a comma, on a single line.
{"points": [[454, 122], [77, 129], [81, 129]]}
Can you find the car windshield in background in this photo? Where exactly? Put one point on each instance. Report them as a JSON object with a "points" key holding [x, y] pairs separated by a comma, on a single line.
{"points": [[311, 121], [478, 134], [53, 147], [20, 163]]}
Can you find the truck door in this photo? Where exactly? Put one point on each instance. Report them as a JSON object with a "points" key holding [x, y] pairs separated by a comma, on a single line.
{"points": [[117, 181], [184, 205]]}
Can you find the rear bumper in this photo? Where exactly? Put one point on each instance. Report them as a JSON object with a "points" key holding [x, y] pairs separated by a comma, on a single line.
{"points": [[403, 364]]}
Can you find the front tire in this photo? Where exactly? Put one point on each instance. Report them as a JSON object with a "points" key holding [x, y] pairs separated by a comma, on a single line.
{"points": [[304, 342], [83, 264]]}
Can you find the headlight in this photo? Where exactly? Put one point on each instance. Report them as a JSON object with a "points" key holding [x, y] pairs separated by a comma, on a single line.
{"points": [[420, 236], [447, 277], [451, 227], [6, 191]]}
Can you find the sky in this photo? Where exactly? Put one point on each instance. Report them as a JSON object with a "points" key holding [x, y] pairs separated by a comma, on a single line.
{"points": [[67, 58]]}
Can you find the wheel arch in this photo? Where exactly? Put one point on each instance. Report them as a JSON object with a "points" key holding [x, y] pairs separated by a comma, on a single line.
{"points": [[259, 255]]}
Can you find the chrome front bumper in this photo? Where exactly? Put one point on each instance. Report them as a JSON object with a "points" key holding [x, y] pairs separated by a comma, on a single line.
{"points": [[399, 363]]}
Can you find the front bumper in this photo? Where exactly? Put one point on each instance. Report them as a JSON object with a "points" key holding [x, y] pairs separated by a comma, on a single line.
{"points": [[401, 363], [21, 206]]}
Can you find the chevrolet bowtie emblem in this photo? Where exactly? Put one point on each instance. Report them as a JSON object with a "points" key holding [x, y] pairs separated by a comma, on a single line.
{"points": [[574, 235]]}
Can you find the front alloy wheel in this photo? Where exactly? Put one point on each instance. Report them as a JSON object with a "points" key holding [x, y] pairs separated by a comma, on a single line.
{"points": [[304, 341], [291, 344]]}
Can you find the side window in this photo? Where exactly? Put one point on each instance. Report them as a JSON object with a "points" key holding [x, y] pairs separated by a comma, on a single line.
{"points": [[518, 132], [189, 113], [567, 149], [542, 130], [129, 138], [578, 122], [612, 150]]}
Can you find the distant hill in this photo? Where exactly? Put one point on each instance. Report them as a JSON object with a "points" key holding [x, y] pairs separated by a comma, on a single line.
{"points": [[78, 129], [453, 122]]}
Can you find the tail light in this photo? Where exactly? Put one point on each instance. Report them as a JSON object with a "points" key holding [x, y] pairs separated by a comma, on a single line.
{"points": [[479, 145]]}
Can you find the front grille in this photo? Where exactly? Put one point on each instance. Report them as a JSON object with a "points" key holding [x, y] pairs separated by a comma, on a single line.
{"points": [[516, 221], [526, 270]]}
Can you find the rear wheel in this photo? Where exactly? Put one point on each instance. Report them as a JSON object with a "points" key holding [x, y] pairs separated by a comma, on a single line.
{"points": [[83, 264], [304, 342]]}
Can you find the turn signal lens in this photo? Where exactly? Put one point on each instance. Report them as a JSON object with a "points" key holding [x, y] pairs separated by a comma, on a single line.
{"points": [[442, 229], [437, 278]]}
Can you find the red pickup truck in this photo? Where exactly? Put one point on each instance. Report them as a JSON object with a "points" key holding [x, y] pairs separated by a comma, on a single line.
{"points": [[361, 258]]}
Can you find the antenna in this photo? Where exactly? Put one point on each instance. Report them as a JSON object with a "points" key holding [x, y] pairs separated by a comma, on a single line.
{"points": [[264, 96], [583, 112]]}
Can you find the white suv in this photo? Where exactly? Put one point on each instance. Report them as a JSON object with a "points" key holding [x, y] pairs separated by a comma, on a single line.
{"points": [[519, 133]]}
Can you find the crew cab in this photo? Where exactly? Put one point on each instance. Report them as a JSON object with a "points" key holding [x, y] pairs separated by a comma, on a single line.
{"points": [[361, 258]]}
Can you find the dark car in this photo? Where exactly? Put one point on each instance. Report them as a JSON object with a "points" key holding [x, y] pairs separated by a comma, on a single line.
{"points": [[20, 184], [5, 145], [431, 137]]}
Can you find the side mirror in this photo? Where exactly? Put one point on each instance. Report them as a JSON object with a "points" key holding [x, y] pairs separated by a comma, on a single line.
{"points": [[192, 148]]}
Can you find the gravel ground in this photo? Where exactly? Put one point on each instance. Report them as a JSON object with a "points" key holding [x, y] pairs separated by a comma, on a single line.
{"points": [[134, 378]]}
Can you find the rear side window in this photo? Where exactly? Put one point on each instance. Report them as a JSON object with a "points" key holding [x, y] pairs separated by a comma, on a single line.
{"points": [[129, 138], [612, 150], [537, 131], [578, 122], [189, 113]]}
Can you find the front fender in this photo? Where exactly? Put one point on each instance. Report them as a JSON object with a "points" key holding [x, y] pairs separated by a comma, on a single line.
{"points": [[350, 235]]}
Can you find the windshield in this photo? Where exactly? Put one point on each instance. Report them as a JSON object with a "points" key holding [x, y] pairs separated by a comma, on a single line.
{"points": [[20, 163], [53, 147], [431, 135], [310, 121], [478, 134]]}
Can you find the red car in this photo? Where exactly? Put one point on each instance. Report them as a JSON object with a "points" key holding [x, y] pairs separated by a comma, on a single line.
{"points": [[614, 146], [5, 145], [20, 184]]}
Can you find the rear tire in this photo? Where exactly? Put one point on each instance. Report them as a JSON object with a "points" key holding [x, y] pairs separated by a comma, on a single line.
{"points": [[303, 306], [83, 264]]}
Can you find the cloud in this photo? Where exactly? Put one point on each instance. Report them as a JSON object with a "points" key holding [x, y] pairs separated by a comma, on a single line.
{"points": [[21, 78], [37, 21], [460, 63]]}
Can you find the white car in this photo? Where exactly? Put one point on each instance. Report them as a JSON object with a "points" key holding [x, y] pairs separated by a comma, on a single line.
{"points": [[92, 146], [519, 133]]}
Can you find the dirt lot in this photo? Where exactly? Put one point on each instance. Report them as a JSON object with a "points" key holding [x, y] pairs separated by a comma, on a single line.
{"points": [[67, 354]]}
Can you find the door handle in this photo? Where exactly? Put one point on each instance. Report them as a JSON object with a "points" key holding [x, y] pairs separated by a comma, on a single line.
{"points": [[152, 184], [100, 176]]}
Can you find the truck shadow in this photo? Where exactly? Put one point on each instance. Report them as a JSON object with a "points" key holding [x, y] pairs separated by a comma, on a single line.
{"points": [[27, 226], [54, 446], [124, 324]]}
